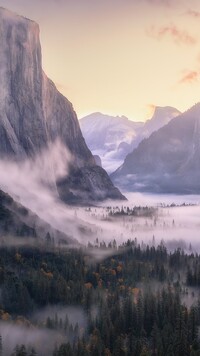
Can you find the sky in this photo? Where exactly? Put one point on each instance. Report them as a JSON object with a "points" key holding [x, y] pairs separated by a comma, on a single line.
{"points": [[119, 57]]}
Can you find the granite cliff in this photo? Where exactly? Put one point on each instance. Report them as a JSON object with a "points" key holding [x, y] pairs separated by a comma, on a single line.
{"points": [[33, 114]]}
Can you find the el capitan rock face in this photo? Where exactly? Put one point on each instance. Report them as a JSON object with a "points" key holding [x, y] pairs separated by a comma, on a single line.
{"points": [[33, 114], [168, 161], [32, 111]]}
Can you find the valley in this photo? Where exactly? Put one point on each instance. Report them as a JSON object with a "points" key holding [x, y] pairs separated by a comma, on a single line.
{"points": [[99, 213]]}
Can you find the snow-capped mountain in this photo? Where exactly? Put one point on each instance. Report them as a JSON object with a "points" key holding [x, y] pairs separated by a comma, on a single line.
{"points": [[109, 137], [112, 138]]}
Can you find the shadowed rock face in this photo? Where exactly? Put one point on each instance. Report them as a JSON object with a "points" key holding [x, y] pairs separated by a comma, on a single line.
{"points": [[33, 113], [98, 160], [18, 221], [168, 161]]}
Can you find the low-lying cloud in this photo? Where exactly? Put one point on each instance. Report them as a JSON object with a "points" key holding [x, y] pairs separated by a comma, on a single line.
{"points": [[33, 186], [45, 340]]}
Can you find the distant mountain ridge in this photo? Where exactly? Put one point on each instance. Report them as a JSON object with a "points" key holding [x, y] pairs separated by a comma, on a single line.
{"points": [[168, 161], [112, 138], [33, 114]]}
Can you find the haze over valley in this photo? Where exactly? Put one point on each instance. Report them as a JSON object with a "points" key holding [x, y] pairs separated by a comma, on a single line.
{"points": [[99, 216]]}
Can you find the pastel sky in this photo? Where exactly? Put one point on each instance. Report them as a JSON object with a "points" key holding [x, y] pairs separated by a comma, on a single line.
{"points": [[119, 57]]}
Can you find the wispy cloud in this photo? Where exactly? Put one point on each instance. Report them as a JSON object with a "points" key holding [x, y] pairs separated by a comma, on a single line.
{"points": [[171, 4], [190, 77], [179, 36], [193, 13], [167, 3]]}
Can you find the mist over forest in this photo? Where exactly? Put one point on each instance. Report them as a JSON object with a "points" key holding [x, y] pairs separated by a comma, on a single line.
{"points": [[110, 278], [136, 261], [99, 217]]}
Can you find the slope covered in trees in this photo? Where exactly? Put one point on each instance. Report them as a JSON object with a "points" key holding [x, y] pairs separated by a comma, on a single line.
{"points": [[137, 301]]}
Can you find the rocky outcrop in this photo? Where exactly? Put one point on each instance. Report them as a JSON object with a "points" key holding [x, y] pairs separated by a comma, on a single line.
{"points": [[161, 117], [87, 183], [33, 114]]}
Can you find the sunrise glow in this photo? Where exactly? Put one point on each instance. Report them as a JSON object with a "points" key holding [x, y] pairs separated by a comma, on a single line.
{"points": [[119, 57]]}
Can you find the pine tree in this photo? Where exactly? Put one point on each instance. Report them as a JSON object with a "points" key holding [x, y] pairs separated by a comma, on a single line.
{"points": [[1, 346], [33, 352], [20, 351]]}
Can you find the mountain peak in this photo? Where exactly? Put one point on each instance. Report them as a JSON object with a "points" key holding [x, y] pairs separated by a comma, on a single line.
{"points": [[12, 16], [168, 160], [165, 110], [194, 110], [161, 116]]}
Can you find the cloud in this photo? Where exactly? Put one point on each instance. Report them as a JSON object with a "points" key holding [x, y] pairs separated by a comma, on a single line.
{"points": [[170, 4], [43, 339], [32, 183], [193, 13], [178, 36], [190, 77], [167, 3]]}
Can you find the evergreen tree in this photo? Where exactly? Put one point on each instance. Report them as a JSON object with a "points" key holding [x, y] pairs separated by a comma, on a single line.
{"points": [[1, 346]]}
